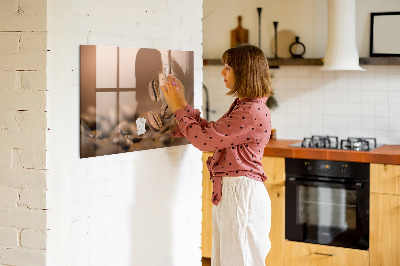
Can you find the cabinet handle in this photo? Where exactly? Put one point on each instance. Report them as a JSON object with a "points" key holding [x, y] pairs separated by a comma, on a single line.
{"points": [[324, 254]]}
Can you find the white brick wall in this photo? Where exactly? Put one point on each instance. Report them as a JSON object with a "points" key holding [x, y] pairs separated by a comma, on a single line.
{"points": [[120, 209], [95, 200], [23, 132]]}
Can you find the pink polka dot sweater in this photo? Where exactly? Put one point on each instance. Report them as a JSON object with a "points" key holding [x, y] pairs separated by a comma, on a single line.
{"points": [[238, 139]]}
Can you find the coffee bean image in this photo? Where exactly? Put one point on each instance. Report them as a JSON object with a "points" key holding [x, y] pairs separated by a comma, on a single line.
{"points": [[154, 121], [165, 111], [116, 136], [98, 134], [124, 126], [105, 147], [133, 138], [163, 138], [105, 127], [154, 90], [135, 147], [125, 143], [89, 120]]}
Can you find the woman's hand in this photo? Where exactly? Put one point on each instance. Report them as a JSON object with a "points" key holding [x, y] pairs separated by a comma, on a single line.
{"points": [[173, 95], [180, 88]]}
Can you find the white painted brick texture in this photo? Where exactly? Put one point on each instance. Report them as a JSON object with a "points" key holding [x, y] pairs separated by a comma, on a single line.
{"points": [[9, 237], [9, 197], [124, 208], [34, 239], [23, 128]]}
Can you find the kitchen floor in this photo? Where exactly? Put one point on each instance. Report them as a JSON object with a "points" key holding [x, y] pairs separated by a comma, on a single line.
{"points": [[206, 261]]}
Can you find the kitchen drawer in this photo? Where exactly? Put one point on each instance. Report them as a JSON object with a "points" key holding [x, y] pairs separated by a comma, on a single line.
{"points": [[385, 178], [305, 254], [274, 168]]}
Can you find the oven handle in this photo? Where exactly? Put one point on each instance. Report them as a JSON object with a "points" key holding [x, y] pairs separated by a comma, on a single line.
{"points": [[357, 185]]}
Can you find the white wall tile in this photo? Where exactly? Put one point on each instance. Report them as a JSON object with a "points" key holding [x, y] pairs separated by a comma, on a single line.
{"points": [[394, 97], [382, 136], [394, 137], [381, 110], [342, 122], [342, 80], [394, 110], [380, 71], [393, 71], [381, 123], [394, 82], [364, 99], [291, 71], [381, 97], [380, 83], [394, 124], [292, 82], [367, 96], [342, 96], [342, 109], [355, 96], [329, 109]]}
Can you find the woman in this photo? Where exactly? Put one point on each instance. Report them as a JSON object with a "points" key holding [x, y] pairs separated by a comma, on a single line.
{"points": [[242, 211]]}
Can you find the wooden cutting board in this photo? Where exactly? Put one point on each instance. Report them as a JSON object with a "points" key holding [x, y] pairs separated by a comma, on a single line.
{"points": [[239, 35]]}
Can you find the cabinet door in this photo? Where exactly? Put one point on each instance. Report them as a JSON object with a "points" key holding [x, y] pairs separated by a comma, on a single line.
{"points": [[206, 232], [385, 178], [277, 233], [274, 168], [384, 230], [304, 254]]}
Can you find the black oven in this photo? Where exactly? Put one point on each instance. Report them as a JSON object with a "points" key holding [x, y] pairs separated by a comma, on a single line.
{"points": [[327, 202]]}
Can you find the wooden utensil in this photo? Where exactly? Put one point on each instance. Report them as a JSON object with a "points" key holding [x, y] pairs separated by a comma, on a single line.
{"points": [[239, 35]]}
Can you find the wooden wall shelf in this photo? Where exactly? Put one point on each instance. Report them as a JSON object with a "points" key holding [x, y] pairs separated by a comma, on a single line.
{"points": [[273, 63], [380, 61]]}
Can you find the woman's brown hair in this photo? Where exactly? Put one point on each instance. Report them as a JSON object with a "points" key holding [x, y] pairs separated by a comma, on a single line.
{"points": [[250, 66]]}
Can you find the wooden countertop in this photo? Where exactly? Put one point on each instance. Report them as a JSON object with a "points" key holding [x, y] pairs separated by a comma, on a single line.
{"points": [[389, 154]]}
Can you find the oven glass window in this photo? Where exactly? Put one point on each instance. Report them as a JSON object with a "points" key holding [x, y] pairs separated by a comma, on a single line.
{"points": [[326, 207]]}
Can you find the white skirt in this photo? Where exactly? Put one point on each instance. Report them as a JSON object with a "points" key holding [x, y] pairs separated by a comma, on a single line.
{"points": [[241, 223]]}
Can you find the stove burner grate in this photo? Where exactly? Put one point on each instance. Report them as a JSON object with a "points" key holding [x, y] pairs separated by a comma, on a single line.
{"points": [[332, 142], [327, 142], [358, 144]]}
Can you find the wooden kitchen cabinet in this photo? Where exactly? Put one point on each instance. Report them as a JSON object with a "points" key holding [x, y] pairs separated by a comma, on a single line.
{"points": [[385, 178], [206, 225], [385, 215], [305, 254], [274, 168], [277, 233], [384, 236]]}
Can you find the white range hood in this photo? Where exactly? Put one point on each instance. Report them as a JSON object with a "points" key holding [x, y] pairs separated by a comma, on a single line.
{"points": [[341, 51]]}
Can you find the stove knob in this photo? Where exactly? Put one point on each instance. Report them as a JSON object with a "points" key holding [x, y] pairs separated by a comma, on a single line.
{"points": [[343, 168], [308, 166]]}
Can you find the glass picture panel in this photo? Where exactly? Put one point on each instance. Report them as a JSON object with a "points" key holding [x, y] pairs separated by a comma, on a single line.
{"points": [[127, 57], [118, 110], [106, 67]]}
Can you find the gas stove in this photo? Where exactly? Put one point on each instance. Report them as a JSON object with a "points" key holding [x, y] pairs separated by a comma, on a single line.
{"points": [[332, 142]]}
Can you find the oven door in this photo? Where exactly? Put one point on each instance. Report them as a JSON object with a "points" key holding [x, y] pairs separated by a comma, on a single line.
{"points": [[327, 213]]}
